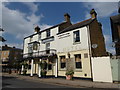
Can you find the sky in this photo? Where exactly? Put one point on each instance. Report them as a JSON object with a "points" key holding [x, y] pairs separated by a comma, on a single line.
{"points": [[20, 18]]}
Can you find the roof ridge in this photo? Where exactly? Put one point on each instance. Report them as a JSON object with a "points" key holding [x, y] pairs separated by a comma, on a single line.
{"points": [[82, 21]]}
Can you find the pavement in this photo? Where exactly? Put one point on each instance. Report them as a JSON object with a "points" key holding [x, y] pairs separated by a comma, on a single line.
{"points": [[73, 83]]}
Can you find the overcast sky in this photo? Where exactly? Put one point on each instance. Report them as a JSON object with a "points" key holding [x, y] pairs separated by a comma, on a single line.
{"points": [[20, 18]]}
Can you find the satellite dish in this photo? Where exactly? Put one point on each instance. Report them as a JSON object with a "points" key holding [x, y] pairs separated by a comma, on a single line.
{"points": [[113, 44], [94, 45]]}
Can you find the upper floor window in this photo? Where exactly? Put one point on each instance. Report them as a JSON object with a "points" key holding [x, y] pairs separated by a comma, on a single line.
{"points": [[39, 36], [48, 33], [76, 36], [47, 48], [30, 48]]}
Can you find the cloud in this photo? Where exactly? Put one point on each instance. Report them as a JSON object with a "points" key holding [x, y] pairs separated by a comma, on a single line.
{"points": [[19, 24], [103, 9], [109, 44], [33, 7]]}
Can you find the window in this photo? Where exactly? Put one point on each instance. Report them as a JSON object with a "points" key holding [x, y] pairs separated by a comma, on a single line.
{"points": [[62, 62], [48, 33], [49, 66], [47, 48], [86, 55], [39, 36], [29, 66], [76, 36], [30, 48], [78, 62]]}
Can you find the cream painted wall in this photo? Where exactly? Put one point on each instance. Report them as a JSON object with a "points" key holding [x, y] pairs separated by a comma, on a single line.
{"points": [[62, 42], [26, 41], [101, 69], [43, 35], [86, 66]]}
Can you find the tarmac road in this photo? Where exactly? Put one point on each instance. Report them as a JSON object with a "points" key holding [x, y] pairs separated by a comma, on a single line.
{"points": [[14, 83]]}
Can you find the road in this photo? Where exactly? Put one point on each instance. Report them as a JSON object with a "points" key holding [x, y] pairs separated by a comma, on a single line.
{"points": [[14, 83]]}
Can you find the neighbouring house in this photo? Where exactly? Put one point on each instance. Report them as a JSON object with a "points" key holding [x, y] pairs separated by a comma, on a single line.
{"points": [[65, 44], [115, 60], [115, 28], [10, 56]]}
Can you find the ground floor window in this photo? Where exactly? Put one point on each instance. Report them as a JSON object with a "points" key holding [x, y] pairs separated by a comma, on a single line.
{"points": [[29, 66], [62, 62], [78, 62], [49, 66]]}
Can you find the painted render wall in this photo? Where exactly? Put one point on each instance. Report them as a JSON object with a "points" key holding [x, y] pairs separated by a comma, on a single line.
{"points": [[115, 66], [27, 40], [101, 69], [65, 41], [36, 37], [86, 66]]}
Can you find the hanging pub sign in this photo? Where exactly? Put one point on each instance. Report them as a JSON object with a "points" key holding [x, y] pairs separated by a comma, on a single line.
{"points": [[35, 45]]}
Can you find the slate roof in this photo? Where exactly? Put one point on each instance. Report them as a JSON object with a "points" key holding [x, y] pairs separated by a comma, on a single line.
{"points": [[77, 25], [47, 29]]}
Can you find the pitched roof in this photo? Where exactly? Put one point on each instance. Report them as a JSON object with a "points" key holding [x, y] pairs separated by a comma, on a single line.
{"points": [[77, 25], [53, 26], [47, 29]]}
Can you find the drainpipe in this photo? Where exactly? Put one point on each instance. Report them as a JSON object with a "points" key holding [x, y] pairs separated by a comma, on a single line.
{"points": [[90, 52]]}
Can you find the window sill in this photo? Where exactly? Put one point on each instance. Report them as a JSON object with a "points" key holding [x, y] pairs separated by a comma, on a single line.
{"points": [[78, 70], [62, 69], [76, 43], [49, 70]]}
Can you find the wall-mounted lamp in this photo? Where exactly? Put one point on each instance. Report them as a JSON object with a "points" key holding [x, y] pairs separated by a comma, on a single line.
{"points": [[68, 55]]}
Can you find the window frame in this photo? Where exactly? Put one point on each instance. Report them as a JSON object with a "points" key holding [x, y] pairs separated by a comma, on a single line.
{"points": [[76, 62], [48, 33], [77, 36], [62, 62]]}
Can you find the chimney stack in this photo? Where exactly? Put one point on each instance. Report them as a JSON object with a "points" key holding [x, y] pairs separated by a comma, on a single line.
{"points": [[93, 14], [37, 29], [67, 17]]}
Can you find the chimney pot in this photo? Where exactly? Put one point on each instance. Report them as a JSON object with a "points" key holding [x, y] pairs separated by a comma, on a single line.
{"points": [[67, 17], [93, 13], [37, 29]]}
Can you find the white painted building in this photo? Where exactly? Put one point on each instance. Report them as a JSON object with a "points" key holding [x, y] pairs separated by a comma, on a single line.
{"points": [[76, 42]]}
